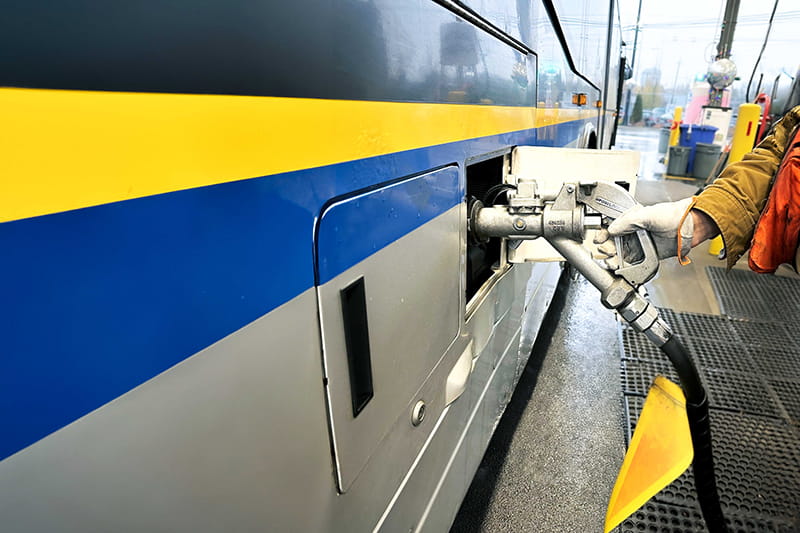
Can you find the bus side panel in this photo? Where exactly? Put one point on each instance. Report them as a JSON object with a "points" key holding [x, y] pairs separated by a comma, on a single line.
{"points": [[412, 295], [230, 431], [231, 439], [350, 50], [433, 493], [238, 432]]}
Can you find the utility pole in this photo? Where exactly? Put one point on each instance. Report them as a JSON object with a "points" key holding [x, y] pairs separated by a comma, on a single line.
{"points": [[728, 27], [724, 47]]}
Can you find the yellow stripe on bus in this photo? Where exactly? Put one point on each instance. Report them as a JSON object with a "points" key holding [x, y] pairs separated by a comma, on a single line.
{"points": [[64, 150]]}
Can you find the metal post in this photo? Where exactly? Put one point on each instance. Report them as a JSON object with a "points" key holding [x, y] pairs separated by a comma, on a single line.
{"points": [[728, 27], [633, 61], [604, 97], [725, 44]]}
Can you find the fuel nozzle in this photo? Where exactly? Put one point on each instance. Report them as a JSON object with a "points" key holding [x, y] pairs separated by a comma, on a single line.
{"points": [[575, 208], [530, 216]]}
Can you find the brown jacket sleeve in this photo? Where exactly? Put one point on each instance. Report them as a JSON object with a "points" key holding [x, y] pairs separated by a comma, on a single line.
{"points": [[735, 200]]}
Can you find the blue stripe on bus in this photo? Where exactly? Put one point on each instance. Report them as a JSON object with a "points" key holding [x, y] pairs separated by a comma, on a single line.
{"points": [[96, 301], [352, 230]]}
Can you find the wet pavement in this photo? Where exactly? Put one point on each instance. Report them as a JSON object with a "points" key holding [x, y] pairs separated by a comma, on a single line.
{"points": [[553, 460]]}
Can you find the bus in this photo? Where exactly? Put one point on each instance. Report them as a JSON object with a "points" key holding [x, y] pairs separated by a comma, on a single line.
{"points": [[238, 292]]}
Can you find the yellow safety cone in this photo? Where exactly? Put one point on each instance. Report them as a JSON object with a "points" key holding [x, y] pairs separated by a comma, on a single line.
{"points": [[660, 450]]}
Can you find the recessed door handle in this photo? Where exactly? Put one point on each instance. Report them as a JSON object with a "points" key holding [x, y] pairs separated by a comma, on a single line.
{"points": [[459, 375], [356, 338]]}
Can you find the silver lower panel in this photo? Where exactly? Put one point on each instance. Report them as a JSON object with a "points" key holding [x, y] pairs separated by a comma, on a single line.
{"points": [[236, 437], [436, 486]]}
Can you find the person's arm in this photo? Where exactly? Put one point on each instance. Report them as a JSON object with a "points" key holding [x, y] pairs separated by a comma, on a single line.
{"points": [[732, 204], [704, 227]]}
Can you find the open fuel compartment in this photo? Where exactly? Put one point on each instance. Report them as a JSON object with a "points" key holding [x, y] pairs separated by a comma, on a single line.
{"points": [[550, 168], [485, 261], [391, 309]]}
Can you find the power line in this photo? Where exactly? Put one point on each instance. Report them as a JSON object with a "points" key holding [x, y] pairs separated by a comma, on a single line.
{"points": [[758, 60], [748, 20]]}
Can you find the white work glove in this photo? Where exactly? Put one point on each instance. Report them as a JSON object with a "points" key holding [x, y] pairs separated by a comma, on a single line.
{"points": [[660, 220]]}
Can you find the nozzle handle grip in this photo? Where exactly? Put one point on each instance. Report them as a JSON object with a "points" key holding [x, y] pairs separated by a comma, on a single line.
{"points": [[640, 271]]}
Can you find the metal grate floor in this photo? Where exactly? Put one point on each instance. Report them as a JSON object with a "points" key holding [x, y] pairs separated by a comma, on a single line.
{"points": [[751, 369], [661, 518], [745, 294]]}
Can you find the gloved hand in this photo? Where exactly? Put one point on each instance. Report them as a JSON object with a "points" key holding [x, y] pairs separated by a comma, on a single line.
{"points": [[661, 220]]}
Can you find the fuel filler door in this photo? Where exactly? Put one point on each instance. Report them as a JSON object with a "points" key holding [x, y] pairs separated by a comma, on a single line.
{"points": [[390, 299]]}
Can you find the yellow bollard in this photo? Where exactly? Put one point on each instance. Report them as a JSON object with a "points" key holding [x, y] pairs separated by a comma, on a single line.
{"points": [[675, 128], [745, 133], [743, 138], [675, 132], [715, 245]]}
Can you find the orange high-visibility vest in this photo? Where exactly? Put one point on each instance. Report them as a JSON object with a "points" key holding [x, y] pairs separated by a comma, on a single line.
{"points": [[775, 239]]}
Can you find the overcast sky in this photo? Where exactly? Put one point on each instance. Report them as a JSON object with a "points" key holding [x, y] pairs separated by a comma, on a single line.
{"points": [[680, 38]]}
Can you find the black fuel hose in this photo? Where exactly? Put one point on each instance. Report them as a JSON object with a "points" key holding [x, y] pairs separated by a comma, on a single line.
{"points": [[610, 287], [700, 429]]}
